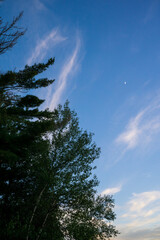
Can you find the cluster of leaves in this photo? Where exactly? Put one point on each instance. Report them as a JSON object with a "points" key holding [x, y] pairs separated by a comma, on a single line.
{"points": [[47, 190]]}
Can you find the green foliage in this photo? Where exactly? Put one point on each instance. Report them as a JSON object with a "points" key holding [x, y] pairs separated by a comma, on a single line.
{"points": [[25, 79], [47, 190]]}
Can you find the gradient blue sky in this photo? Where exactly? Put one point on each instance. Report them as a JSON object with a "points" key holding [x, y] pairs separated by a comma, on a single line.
{"points": [[107, 65]]}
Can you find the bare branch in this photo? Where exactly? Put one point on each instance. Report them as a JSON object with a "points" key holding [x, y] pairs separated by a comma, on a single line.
{"points": [[10, 33]]}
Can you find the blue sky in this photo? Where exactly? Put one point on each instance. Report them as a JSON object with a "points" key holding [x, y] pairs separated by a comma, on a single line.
{"points": [[107, 65]]}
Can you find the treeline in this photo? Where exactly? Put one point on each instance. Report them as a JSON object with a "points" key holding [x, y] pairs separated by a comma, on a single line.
{"points": [[47, 187]]}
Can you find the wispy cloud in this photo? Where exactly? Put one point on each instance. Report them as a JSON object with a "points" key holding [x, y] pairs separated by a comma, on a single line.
{"points": [[142, 200], [141, 129], [111, 191], [151, 11], [132, 132], [69, 67], [140, 216], [39, 5], [44, 45]]}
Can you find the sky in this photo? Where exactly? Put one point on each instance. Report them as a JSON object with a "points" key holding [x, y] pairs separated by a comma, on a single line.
{"points": [[107, 64]]}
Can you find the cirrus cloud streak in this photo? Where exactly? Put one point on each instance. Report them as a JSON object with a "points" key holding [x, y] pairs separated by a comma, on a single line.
{"points": [[44, 45], [142, 128], [68, 68]]}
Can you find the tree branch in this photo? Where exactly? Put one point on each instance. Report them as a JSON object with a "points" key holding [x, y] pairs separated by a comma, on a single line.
{"points": [[34, 210]]}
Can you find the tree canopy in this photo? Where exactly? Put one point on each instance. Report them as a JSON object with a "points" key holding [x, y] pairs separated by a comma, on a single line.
{"points": [[47, 186], [47, 190]]}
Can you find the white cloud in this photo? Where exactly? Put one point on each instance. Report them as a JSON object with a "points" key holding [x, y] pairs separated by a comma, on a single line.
{"points": [[69, 67], [142, 200], [140, 216], [44, 45], [132, 132], [111, 191], [141, 129]]}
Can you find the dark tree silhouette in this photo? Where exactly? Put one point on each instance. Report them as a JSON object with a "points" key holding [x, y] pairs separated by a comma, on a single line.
{"points": [[10, 33], [47, 187]]}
